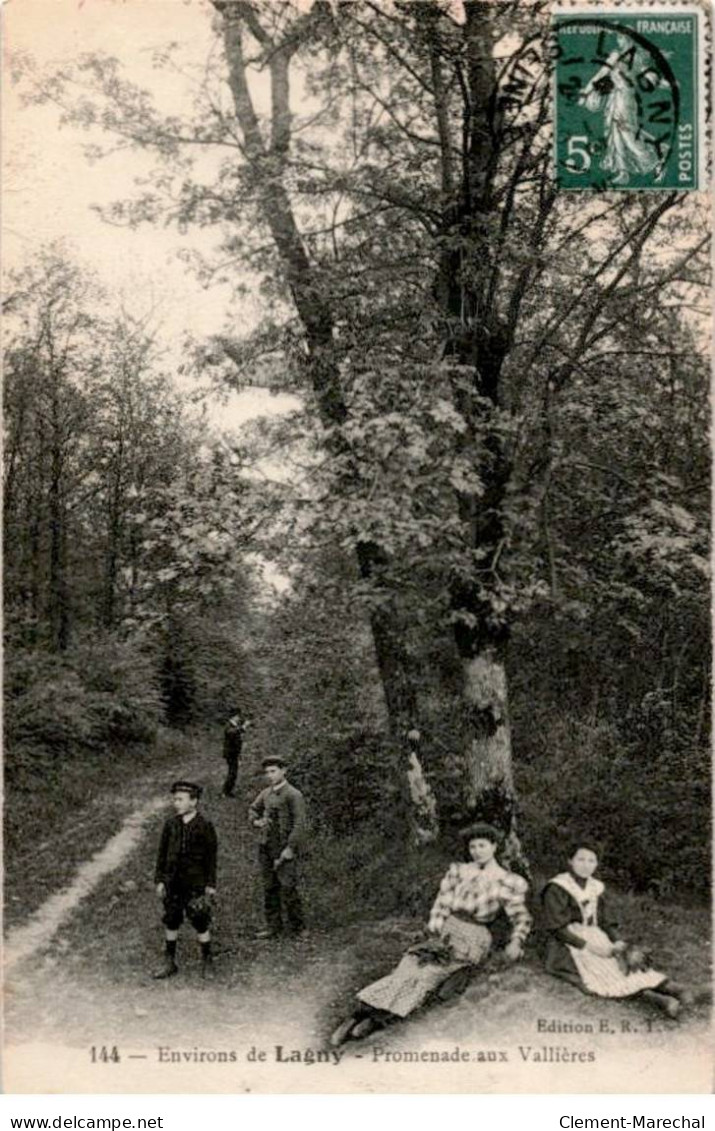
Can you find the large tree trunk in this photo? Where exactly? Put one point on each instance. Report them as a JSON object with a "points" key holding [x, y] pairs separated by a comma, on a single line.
{"points": [[478, 340]]}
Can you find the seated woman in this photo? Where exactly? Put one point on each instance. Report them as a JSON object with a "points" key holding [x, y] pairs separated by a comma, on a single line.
{"points": [[583, 944], [471, 897]]}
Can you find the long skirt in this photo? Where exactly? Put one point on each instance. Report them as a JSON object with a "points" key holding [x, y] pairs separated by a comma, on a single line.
{"points": [[413, 980], [627, 151], [604, 976]]}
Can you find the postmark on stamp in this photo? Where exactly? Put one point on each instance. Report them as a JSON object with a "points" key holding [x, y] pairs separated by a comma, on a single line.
{"points": [[628, 93]]}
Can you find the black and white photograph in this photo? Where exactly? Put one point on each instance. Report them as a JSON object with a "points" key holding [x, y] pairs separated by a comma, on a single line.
{"points": [[356, 547]]}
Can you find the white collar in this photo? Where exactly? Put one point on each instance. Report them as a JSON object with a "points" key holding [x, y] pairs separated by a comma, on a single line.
{"points": [[591, 890], [280, 785]]}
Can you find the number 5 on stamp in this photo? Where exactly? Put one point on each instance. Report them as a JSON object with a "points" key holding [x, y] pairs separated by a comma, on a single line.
{"points": [[629, 97]]}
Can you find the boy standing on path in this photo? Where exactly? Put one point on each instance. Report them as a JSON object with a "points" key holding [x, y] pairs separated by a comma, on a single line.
{"points": [[232, 745], [279, 813], [186, 875]]}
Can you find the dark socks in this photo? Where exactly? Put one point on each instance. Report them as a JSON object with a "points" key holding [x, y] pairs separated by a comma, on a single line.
{"points": [[171, 949], [206, 951]]}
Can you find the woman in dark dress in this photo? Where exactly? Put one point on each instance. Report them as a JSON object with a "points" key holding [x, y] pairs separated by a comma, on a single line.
{"points": [[471, 897], [584, 946]]}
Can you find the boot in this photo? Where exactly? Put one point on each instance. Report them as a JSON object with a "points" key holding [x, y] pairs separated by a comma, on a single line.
{"points": [[364, 1028], [671, 1006], [207, 962], [685, 996], [343, 1032], [167, 970], [665, 1002]]}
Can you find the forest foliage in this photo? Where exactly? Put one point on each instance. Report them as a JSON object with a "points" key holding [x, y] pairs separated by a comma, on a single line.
{"points": [[496, 534]]}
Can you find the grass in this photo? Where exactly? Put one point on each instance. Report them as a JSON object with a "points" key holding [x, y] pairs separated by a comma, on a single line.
{"points": [[51, 826], [366, 899]]}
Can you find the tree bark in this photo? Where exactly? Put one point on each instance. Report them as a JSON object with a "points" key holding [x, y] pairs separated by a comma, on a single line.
{"points": [[114, 532], [36, 494], [58, 595], [478, 339]]}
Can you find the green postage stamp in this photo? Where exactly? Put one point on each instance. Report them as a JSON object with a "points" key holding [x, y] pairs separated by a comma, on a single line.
{"points": [[629, 97]]}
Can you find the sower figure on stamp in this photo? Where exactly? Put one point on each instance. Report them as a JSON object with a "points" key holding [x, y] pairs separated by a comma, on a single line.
{"points": [[279, 812], [630, 148], [232, 746], [186, 875]]}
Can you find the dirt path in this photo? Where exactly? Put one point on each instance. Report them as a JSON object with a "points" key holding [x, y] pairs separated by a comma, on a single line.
{"points": [[25, 941], [81, 978]]}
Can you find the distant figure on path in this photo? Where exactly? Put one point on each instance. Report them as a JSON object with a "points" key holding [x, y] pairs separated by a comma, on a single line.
{"points": [[232, 746], [279, 812], [584, 946], [186, 875], [472, 897]]}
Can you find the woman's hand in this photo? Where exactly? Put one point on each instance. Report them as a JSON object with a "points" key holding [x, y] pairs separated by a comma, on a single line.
{"points": [[160, 890], [514, 950]]}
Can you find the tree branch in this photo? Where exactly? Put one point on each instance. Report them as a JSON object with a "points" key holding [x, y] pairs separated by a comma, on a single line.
{"points": [[636, 238]]}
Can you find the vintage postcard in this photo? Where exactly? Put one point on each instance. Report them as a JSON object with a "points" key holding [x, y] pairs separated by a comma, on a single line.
{"points": [[357, 726]]}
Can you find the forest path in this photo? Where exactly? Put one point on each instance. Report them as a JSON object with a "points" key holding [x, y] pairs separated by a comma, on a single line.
{"points": [[90, 985], [22, 942]]}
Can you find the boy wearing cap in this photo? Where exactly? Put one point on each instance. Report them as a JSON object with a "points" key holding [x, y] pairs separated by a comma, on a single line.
{"points": [[279, 813], [185, 875], [233, 733]]}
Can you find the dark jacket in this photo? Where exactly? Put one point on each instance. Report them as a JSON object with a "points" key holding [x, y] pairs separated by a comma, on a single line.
{"points": [[233, 740], [285, 811], [187, 853]]}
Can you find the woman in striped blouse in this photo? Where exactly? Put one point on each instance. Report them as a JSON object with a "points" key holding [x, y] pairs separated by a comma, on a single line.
{"points": [[473, 897], [584, 947]]}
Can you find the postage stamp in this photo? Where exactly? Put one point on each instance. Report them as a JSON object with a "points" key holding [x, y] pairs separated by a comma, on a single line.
{"points": [[629, 96]]}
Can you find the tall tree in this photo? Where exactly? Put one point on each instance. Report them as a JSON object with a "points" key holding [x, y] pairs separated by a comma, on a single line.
{"points": [[47, 415], [423, 270]]}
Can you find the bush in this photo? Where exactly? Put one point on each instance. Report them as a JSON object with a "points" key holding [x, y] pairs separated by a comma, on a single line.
{"points": [[648, 811], [351, 780], [96, 697]]}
